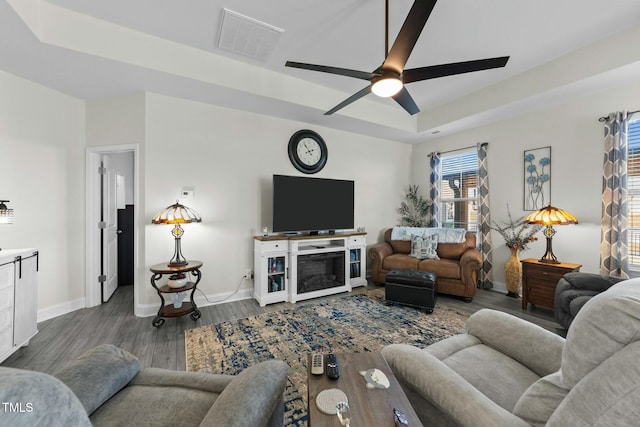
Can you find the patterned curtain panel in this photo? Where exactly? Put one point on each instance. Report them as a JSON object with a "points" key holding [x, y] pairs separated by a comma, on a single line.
{"points": [[434, 189], [485, 275], [614, 251]]}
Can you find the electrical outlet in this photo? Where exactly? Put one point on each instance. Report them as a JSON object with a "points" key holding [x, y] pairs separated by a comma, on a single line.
{"points": [[248, 274]]}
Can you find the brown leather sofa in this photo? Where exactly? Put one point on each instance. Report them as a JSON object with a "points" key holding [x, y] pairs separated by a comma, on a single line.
{"points": [[456, 269]]}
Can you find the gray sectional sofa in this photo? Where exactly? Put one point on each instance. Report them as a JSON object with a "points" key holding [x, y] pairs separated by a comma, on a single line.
{"points": [[107, 387], [505, 371]]}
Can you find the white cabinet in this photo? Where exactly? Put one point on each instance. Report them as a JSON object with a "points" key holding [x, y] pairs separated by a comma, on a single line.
{"points": [[357, 261], [271, 271], [295, 268], [6, 309], [18, 299]]}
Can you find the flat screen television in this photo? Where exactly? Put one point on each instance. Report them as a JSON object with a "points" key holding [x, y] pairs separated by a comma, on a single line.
{"points": [[304, 204]]}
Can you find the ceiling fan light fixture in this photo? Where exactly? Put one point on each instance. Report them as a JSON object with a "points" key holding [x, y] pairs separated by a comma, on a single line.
{"points": [[386, 86]]}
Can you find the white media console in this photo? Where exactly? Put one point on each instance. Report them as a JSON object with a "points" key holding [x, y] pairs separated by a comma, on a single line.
{"points": [[294, 268]]}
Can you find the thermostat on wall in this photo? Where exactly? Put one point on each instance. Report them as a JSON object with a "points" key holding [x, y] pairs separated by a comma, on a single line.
{"points": [[186, 193]]}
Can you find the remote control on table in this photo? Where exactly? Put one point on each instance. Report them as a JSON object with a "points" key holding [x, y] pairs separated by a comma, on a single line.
{"points": [[317, 364], [333, 370]]}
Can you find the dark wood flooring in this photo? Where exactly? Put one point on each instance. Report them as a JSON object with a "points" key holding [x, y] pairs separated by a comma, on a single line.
{"points": [[63, 338]]}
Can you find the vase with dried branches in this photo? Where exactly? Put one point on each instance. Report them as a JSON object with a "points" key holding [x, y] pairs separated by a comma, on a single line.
{"points": [[517, 235]]}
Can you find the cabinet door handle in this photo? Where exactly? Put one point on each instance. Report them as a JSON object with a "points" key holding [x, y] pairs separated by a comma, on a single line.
{"points": [[19, 261]]}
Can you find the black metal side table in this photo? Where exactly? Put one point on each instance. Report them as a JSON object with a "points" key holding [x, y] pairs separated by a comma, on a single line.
{"points": [[170, 310]]}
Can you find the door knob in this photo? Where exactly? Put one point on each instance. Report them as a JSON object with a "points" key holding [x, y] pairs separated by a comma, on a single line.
{"points": [[118, 231]]}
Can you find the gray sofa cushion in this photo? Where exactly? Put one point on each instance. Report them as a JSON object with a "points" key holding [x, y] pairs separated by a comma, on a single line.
{"points": [[541, 399], [509, 378], [599, 380], [608, 396], [430, 383], [98, 374], [187, 398], [139, 405], [604, 326], [529, 344], [44, 401]]}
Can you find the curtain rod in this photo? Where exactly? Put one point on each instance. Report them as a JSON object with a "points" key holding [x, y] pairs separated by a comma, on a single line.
{"points": [[460, 149], [603, 118]]}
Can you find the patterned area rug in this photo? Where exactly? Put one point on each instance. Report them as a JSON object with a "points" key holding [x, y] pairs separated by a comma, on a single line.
{"points": [[351, 323]]}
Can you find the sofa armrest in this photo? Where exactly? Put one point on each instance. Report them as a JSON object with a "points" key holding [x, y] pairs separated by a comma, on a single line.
{"points": [[377, 253], [536, 348], [590, 281], [43, 401], [380, 251], [447, 390], [98, 374], [471, 259], [470, 263], [251, 398]]}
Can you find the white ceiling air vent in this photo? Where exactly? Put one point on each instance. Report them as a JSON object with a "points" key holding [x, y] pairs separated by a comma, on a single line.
{"points": [[247, 36]]}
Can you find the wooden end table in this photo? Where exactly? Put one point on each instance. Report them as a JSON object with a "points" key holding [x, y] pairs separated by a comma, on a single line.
{"points": [[369, 407], [539, 280], [170, 310]]}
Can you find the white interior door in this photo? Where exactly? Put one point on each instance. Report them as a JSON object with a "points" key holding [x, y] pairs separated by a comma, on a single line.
{"points": [[109, 233]]}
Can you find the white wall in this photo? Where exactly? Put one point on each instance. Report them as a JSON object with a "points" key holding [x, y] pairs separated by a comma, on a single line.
{"points": [[229, 157], [576, 139], [42, 173]]}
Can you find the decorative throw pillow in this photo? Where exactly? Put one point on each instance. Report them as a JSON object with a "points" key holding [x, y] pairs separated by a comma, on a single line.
{"points": [[424, 247]]}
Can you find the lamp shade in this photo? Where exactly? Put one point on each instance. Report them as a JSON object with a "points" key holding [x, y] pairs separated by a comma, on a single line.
{"points": [[551, 215], [176, 214]]}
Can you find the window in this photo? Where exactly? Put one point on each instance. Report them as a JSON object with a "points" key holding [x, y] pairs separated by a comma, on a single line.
{"points": [[458, 190], [633, 189]]}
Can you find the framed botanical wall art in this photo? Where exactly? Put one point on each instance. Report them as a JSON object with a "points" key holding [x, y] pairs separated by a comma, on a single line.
{"points": [[537, 178]]}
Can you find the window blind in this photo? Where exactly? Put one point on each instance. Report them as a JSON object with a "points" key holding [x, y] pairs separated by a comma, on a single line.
{"points": [[633, 193], [458, 190]]}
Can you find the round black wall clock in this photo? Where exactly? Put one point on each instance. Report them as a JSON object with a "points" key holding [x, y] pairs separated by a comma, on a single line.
{"points": [[307, 151]]}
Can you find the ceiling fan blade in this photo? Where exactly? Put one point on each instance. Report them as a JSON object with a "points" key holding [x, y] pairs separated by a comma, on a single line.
{"points": [[406, 101], [332, 70], [435, 71], [408, 35], [349, 100]]}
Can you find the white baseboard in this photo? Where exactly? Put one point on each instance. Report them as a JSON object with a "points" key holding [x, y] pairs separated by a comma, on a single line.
{"points": [[147, 310], [499, 287], [143, 310], [60, 309]]}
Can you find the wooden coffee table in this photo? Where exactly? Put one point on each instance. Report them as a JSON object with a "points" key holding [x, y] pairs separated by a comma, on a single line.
{"points": [[369, 407]]}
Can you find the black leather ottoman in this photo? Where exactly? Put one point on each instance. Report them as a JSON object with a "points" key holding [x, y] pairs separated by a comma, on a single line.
{"points": [[411, 287]]}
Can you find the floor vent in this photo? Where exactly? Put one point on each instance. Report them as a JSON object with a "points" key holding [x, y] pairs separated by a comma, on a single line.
{"points": [[247, 36]]}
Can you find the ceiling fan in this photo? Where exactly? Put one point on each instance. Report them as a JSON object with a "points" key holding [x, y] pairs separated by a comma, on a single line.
{"points": [[390, 78]]}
